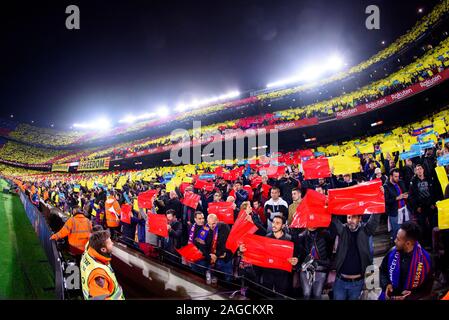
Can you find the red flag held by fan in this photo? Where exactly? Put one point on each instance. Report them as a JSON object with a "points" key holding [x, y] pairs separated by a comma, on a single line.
{"points": [[126, 213], [275, 172], [231, 175], [191, 253], [268, 252], [364, 198], [219, 171], [255, 181], [145, 199], [316, 168], [223, 210], [240, 228], [312, 212], [266, 190], [306, 153], [250, 192], [183, 186], [157, 224], [191, 199], [201, 184]]}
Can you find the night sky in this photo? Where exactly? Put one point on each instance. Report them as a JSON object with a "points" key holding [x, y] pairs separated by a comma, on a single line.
{"points": [[131, 56]]}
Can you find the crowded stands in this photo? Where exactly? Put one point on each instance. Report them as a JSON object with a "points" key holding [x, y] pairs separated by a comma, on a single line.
{"points": [[302, 223], [272, 196], [435, 60], [421, 70]]}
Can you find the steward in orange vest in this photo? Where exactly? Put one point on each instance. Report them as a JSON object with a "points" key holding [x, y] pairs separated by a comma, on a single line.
{"points": [[78, 229], [112, 212]]}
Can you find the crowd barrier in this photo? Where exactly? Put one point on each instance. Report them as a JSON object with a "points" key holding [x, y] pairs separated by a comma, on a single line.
{"points": [[44, 232]]}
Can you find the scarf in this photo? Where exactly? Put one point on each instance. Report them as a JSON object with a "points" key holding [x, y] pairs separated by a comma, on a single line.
{"points": [[418, 271], [401, 202], [191, 233], [314, 250]]}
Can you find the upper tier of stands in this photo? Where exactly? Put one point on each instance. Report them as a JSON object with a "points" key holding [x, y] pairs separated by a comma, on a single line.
{"points": [[48, 137], [433, 61]]}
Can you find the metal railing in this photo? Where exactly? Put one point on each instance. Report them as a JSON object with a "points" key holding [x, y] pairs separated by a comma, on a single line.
{"points": [[44, 232]]}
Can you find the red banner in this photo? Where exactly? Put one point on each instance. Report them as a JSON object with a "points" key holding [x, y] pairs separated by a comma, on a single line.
{"points": [[223, 210], [312, 212], [191, 200], [316, 168], [145, 199], [241, 228], [157, 224], [273, 171], [126, 213], [267, 252], [201, 184], [255, 181], [250, 192], [191, 253], [231, 175], [364, 198]]}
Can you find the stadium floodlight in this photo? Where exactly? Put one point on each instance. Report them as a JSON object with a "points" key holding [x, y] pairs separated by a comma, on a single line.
{"points": [[335, 62], [181, 107], [127, 119], [312, 72], [197, 103], [101, 124], [162, 112]]}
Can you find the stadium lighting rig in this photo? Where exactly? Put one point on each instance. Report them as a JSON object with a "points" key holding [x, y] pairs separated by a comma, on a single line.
{"points": [[312, 72], [131, 119], [100, 124], [203, 102], [162, 112]]}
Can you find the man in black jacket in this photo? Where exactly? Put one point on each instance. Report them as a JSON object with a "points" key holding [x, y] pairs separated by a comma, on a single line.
{"points": [[286, 184], [407, 171], [315, 250], [422, 200], [396, 202], [275, 279], [220, 257], [353, 254], [174, 228], [175, 204]]}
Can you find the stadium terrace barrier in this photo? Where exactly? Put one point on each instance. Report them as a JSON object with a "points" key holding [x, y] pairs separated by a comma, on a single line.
{"points": [[26, 165], [403, 94], [44, 232]]}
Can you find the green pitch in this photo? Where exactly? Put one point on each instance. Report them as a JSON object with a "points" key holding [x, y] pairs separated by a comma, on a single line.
{"points": [[24, 269]]}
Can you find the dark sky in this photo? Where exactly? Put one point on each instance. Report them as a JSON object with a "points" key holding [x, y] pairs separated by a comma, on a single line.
{"points": [[131, 56]]}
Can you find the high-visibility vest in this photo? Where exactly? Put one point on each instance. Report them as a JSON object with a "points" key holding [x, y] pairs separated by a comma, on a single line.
{"points": [[89, 264], [112, 211], [79, 229]]}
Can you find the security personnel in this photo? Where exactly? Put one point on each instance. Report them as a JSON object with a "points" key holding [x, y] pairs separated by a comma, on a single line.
{"points": [[98, 280], [112, 212], [112, 215], [78, 229]]}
